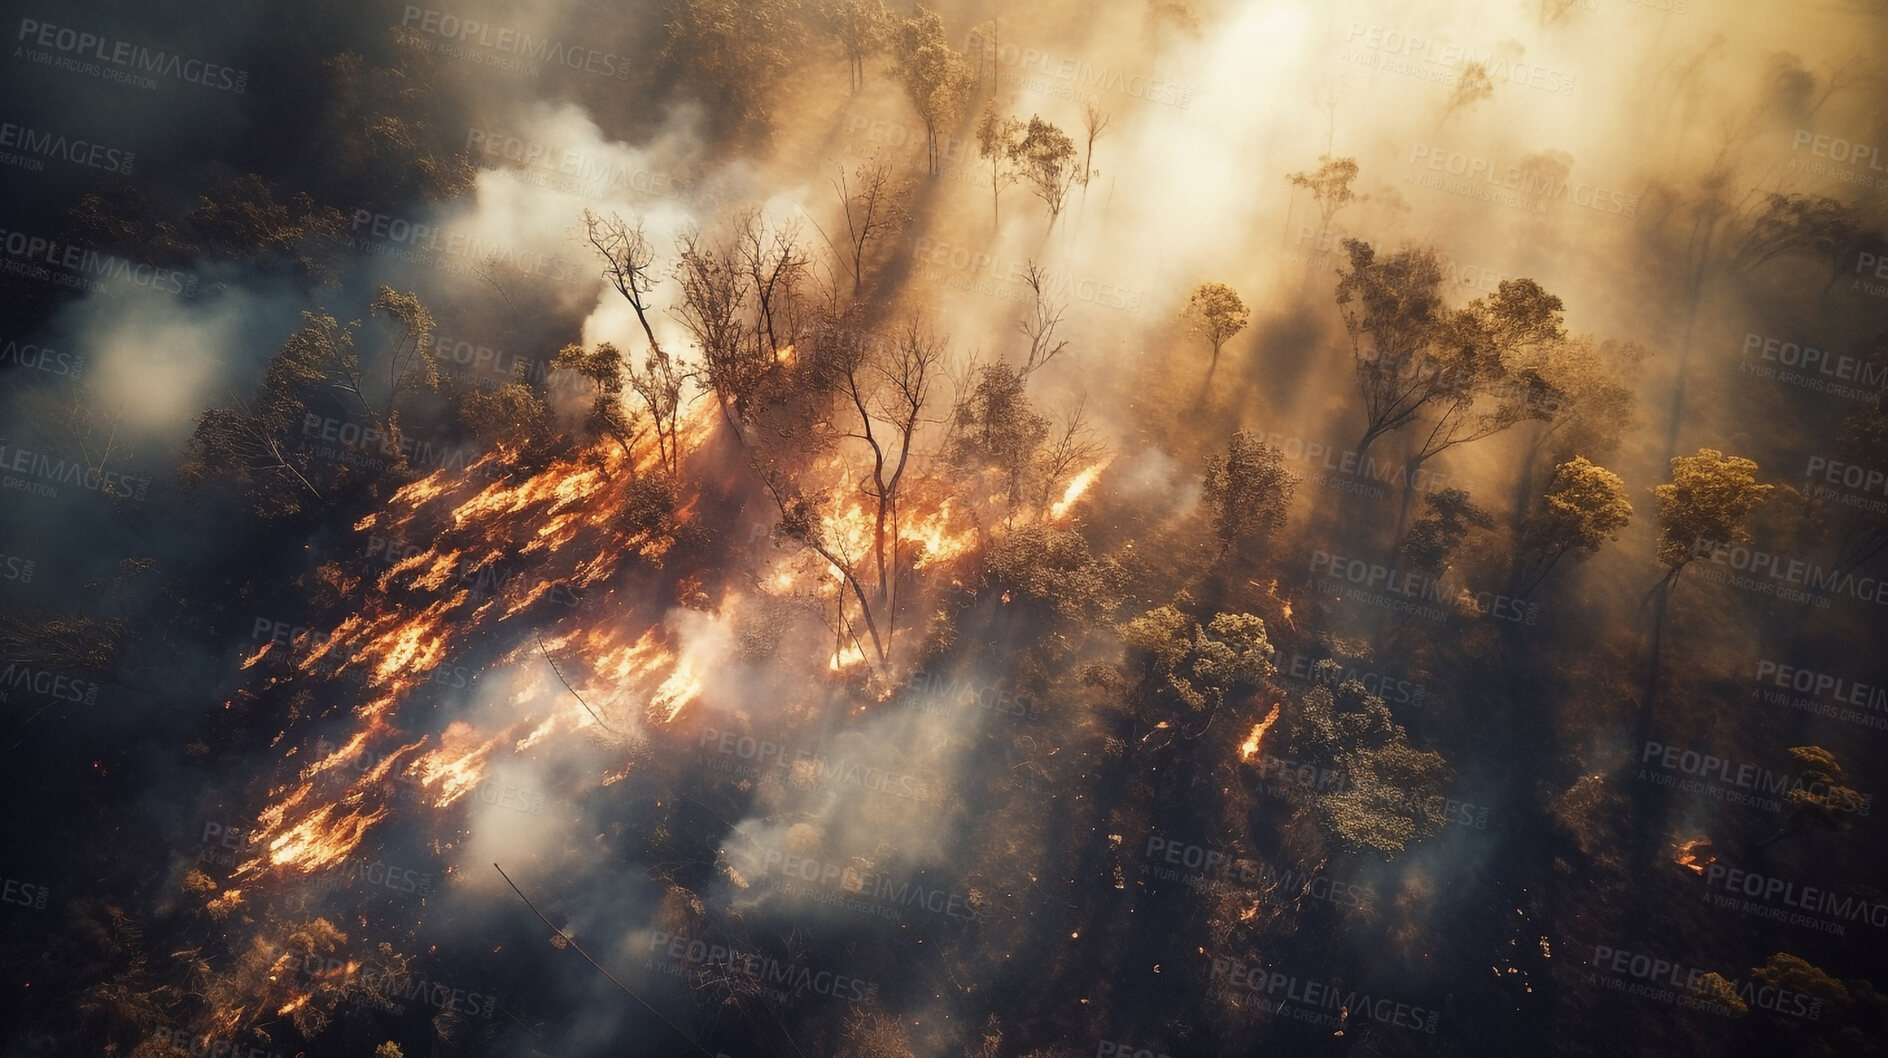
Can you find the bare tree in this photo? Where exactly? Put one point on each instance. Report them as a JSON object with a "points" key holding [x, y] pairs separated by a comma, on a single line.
{"points": [[713, 308], [776, 267], [1094, 123], [888, 386], [97, 436], [1072, 445], [874, 204], [629, 265], [997, 137], [1040, 325]]}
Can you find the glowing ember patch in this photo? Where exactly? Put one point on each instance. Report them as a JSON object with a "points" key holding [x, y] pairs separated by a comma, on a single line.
{"points": [[1695, 855]]}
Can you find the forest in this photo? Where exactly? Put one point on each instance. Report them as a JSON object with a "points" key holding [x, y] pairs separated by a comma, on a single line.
{"points": [[837, 527]]}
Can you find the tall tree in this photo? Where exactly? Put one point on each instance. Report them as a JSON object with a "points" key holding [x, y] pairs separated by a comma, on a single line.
{"points": [[731, 54], [1585, 506], [714, 310], [997, 139], [629, 266], [1094, 122], [1329, 185], [1436, 536], [861, 27], [874, 203], [1248, 492], [1215, 312], [603, 366], [1205, 667], [1489, 379], [1046, 157], [1382, 804], [1468, 373], [889, 387], [255, 441], [1704, 505], [994, 425], [936, 77], [1045, 316], [775, 269]]}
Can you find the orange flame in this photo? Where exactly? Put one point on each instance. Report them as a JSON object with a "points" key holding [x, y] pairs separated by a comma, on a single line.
{"points": [[1249, 749], [1695, 855], [1077, 486]]}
